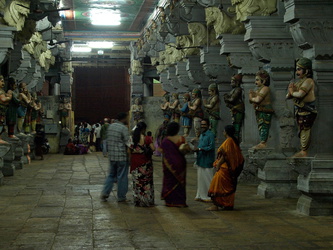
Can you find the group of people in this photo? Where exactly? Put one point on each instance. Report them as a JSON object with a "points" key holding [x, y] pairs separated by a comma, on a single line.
{"points": [[133, 152], [217, 177]]}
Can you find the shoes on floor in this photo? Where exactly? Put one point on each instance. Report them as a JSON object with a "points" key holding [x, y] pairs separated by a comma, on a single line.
{"points": [[104, 197], [124, 200]]}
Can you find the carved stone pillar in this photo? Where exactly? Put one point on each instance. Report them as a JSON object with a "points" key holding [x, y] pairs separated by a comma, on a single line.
{"points": [[136, 85], [183, 77], [6, 41], [22, 70], [242, 59], [195, 70], [65, 84], [166, 84], [4, 148], [311, 25], [277, 179], [174, 80], [315, 181]]}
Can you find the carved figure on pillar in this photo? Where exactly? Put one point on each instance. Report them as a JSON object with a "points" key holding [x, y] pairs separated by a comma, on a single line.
{"points": [[137, 110], [165, 106], [186, 118], [261, 100], [303, 94], [5, 99], [175, 107], [234, 101], [212, 106], [65, 108], [25, 99], [11, 114], [35, 109], [196, 111]]}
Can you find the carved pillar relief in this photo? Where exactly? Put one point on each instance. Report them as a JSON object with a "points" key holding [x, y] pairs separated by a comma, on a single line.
{"points": [[6, 42], [311, 24]]}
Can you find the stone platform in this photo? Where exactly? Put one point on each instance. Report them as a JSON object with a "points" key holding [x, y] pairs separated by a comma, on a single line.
{"points": [[54, 204]]}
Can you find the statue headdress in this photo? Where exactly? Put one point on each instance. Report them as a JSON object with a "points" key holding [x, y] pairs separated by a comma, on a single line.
{"points": [[304, 63], [263, 74]]}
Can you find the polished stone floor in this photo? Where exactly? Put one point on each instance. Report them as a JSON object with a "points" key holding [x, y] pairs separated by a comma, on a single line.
{"points": [[54, 204]]}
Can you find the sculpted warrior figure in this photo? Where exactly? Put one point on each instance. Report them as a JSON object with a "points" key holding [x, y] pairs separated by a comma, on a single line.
{"points": [[165, 106], [174, 106], [261, 100], [36, 107], [186, 118], [65, 108], [11, 114], [137, 110], [212, 106], [196, 111], [5, 98], [25, 99], [234, 101], [303, 94]]}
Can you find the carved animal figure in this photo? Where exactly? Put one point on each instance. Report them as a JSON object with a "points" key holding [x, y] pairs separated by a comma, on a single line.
{"points": [[244, 8], [223, 24]]}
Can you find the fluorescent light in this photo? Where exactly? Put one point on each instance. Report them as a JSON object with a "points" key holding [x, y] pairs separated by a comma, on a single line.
{"points": [[100, 45], [81, 49], [104, 17], [100, 52]]}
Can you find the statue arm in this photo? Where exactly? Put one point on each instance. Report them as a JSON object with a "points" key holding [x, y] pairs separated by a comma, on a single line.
{"points": [[165, 105], [260, 96], [212, 102], [174, 104], [195, 105], [303, 90], [4, 98]]}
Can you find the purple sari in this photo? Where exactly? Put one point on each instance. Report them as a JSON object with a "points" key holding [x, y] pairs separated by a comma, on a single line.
{"points": [[174, 175]]}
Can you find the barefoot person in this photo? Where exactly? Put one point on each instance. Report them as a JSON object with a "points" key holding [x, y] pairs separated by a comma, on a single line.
{"points": [[261, 100], [302, 92], [229, 164]]}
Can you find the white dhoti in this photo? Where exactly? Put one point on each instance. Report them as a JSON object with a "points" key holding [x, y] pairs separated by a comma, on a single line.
{"points": [[205, 176]]}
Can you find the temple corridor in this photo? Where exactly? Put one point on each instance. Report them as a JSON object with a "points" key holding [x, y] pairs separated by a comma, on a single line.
{"points": [[54, 204]]}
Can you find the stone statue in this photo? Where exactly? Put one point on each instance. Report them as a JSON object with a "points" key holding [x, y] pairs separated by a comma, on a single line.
{"points": [[11, 114], [15, 13], [136, 67], [36, 106], [65, 108], [186, 118], [137, 110], [196, 111], [184, 42], [165, 106], [303, 95], [5, 99], [25, 99], [234, 101], [175, 107], [245, 8], [223, 24], [261, 100], [212, 106]]}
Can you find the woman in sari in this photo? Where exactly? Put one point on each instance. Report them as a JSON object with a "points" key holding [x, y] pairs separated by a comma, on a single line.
{"points": [[229, 164], [174, 168], [142, 167]]}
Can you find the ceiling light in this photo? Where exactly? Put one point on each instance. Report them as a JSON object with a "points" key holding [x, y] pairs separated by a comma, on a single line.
{"points": [[100, 52], [80, 49], [100, 45], [104, 17]]}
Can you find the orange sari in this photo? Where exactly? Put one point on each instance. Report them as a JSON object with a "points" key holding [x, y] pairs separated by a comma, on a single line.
{"points": [[223, 186]]}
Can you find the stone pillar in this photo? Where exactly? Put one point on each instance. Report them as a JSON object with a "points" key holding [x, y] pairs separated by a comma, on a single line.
{"points": [[4, 148], [136, 85], [174, 81], [277, 179], [6, 41], [195, 70], [315, 181], [166, 84], [240, 58], [183, 77]]}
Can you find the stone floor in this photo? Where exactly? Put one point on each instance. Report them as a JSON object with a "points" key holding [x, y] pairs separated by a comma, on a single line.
{"points": [[54, 204]]}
